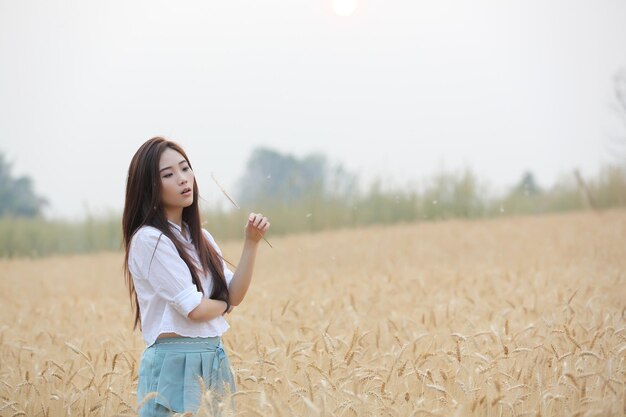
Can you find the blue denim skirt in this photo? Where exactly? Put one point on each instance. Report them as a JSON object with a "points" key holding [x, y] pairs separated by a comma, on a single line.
{"points": [[172, 368]]}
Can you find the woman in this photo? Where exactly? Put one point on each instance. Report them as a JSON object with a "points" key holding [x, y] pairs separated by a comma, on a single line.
{"points": [[179, 284]]}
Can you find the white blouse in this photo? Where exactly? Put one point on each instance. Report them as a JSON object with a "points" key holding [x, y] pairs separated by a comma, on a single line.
{"points": [[165, 290]]}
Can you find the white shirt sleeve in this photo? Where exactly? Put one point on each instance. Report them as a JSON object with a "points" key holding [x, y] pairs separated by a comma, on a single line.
{"points": [[160, 263], [228, 274]]}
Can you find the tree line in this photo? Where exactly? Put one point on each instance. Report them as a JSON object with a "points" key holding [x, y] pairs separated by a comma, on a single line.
{"points": [[309, 194]]}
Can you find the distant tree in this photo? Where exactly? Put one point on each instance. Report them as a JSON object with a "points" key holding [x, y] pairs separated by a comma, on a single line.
{"points": [[525, 197], [272, 176], [527, 185], [17, 197], [459, 194]]}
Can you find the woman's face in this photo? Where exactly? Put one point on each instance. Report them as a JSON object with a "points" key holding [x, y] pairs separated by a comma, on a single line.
{"points": [[176, 180]]}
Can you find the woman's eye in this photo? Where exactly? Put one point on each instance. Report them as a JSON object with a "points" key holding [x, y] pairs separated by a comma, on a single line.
{"points": [[167, 175], [186, 169]]}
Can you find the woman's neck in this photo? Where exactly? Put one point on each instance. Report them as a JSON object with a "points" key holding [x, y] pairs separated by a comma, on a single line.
{"points": [[175, 216]]}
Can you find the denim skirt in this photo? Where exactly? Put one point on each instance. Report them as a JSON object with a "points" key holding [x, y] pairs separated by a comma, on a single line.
{"points": [[172, 368]]}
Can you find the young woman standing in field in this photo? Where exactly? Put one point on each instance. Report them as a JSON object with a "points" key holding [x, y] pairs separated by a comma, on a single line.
{"points": [[179, 284]]}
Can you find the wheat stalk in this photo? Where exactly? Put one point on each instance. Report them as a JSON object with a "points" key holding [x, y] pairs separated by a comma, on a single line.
{"points": [[232, 200]]}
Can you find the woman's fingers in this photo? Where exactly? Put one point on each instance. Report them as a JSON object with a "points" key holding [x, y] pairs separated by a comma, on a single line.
{"points": [[254, 217], [257, 220], [256, 227]]}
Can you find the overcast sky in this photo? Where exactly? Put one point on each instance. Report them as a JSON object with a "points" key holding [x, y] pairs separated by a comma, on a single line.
{"points": [[394, 88]]}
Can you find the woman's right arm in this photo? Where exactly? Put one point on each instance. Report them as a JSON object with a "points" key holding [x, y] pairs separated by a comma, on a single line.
{"points": [[207, 310]]}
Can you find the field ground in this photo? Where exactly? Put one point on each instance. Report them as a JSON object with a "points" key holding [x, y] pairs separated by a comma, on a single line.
{"points": [[503, 317]]}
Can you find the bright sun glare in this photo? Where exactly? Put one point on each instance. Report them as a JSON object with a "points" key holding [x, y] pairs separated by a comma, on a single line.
{"points": [[344, 7]]}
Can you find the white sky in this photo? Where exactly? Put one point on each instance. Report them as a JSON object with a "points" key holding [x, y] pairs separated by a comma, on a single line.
{"points": [[398, 89]]}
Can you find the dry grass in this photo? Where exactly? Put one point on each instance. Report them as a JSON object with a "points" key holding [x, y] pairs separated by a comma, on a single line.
{"points": [[511, 317]]}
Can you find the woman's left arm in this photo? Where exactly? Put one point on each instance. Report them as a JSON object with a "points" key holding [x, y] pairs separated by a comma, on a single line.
{"points": [[255, 230]]}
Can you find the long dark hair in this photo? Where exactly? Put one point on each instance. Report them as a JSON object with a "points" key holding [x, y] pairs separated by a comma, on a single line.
{"points": [[143, 207]]}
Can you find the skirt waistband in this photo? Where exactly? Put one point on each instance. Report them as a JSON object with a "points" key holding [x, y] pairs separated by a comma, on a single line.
{"points": [[187, 344]]}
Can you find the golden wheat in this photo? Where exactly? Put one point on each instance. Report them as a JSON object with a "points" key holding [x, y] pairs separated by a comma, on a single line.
{"points": [[510, 317]]}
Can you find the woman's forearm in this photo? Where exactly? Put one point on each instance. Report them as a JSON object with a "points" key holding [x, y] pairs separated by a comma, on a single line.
{"points": [[242, 277], [207, 310]]}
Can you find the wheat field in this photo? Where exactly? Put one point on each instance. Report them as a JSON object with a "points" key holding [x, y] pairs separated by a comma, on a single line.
{"points": [[516, 316]]}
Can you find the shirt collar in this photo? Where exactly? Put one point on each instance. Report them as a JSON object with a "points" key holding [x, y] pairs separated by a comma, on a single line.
{"points": [[177, 227]]}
